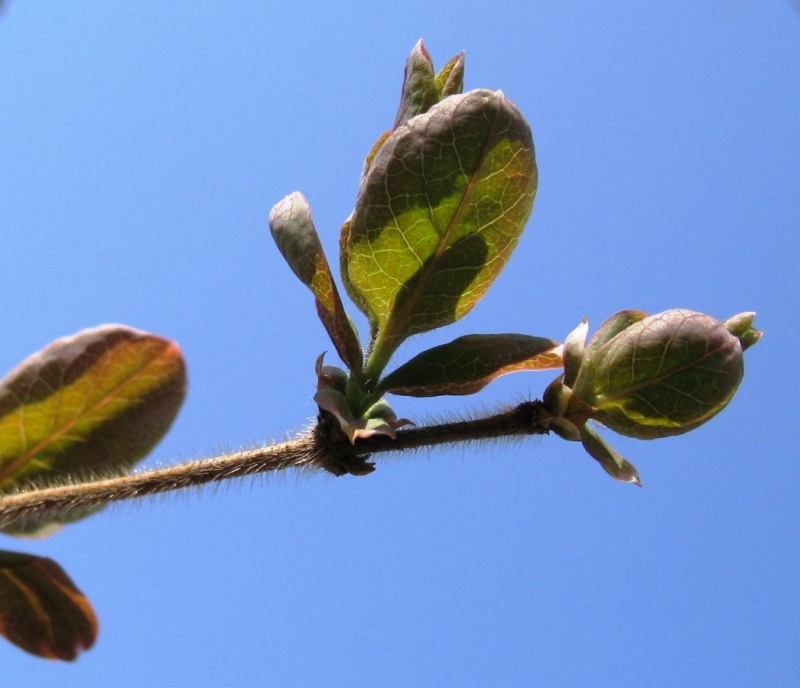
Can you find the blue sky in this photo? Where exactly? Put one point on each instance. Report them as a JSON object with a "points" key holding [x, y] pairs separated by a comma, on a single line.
{"points": [[142, 147]]}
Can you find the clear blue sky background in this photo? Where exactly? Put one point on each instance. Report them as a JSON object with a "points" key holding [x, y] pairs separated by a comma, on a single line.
{"points": [[142, 146]]}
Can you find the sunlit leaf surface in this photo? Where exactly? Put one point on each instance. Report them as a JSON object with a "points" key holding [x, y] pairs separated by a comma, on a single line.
{"points": [[469, 363], [450, 80], [42, 610], [438, 214], [94, 403], [662, 375]]}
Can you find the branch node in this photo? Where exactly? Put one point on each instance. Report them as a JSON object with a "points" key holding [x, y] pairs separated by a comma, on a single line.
{"points": [[338, 455]]}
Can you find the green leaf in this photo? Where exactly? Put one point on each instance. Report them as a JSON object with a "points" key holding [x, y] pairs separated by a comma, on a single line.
{"points": [[42, 610], [352, 292], [565, 429], [663, 375], [467, 364], [611, 328], [450, 80], [438, 215], [420, 90], [741, 326], [556, 396], [609, 458], [574, 347], [293, 231], [94, 403]]}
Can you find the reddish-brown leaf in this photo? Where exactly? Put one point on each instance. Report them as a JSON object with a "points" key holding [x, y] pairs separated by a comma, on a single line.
{"points": [[42, 610], [94, 403]]}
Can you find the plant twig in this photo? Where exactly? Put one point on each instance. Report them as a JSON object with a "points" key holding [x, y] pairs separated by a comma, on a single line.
{"points": [[324, 447]]}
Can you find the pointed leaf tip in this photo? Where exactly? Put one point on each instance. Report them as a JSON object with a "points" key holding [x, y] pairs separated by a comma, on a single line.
{"points": [[41, 610], [616, 465], [467, 364], [450, 80], [741, 326], [419, 85]]}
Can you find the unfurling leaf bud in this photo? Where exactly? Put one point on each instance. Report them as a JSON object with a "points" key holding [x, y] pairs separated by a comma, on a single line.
{"points": [[646, 377], [423, 88], [419, 85], [664, 374], [741, 325], [331, 396], [378, 419]]}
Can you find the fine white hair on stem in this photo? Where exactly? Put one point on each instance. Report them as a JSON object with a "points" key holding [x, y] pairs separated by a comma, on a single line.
{"points": [[322, 447]]}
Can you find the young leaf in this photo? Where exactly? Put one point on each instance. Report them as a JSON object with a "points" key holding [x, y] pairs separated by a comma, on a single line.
{"points": [[96, 402], [450, 80], [663, 375], [379, 419], [467, 364], [609, 458], [352, 292], [611, 328], [574, 351], [42, 610], [741, 326], [293, 231], [438, 214], [420, 90]]}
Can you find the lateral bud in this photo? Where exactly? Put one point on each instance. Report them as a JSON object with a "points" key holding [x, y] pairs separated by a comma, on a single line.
{"points": [[665, 374], [647, 377]]}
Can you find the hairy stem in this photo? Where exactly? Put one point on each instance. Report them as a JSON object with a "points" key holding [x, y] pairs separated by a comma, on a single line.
{"points": [[323, 448]]}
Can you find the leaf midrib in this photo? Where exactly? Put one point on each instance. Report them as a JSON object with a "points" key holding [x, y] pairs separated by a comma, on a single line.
{"points": [[403, 314], [7, 473]]}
